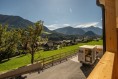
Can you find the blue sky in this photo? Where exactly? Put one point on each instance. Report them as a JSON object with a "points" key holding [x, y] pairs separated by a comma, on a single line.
{"points": [[55, 13]]}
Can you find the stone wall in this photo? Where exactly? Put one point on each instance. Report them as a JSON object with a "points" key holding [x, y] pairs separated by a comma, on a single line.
{"points": [[21, 70]]}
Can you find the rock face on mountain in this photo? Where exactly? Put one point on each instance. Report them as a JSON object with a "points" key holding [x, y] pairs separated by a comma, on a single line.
{"points": [[70, 31], [17, 22], [96, 30]]}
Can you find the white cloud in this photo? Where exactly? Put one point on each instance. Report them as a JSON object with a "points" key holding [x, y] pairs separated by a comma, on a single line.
{"points": [[70, 10], [52, 27], [56, 26], [66, 24], [87, 25]]}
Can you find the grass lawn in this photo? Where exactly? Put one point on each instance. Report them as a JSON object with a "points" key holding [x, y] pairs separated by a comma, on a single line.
{"points": [[16, 62]]}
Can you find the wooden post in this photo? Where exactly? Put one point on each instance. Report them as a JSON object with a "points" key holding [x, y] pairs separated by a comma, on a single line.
{"points": [[115, 66], [111, 32], [52, 60], [110, 24], [66, 56], [43, 63], [60, 57]]}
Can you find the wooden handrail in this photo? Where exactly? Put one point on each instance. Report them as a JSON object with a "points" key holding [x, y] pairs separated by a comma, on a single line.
{"points": [[104, 68]]}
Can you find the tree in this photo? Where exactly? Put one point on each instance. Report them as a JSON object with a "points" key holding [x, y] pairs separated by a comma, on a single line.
{"points": [[13, 39], [30, 37], [3, 34], [9, 40], [24, 40]]}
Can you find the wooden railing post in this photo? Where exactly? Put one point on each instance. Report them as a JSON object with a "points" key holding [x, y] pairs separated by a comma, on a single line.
{"points": [[60, 57], [43, 63], [52, 60], [66, 56]]}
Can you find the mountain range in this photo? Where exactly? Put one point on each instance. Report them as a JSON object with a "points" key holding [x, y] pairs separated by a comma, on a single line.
{"points": [[70, 31], [19, 22], [79, 31]]}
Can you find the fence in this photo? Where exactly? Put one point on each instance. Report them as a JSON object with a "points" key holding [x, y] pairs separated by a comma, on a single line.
{"points": [[39, 64], [58, 58]]}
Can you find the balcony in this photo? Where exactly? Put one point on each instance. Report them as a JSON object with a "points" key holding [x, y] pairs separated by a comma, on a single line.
{"points": [[107, 67]]}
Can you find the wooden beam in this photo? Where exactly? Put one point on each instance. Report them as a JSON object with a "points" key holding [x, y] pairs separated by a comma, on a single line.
{"points": [[115, 67], [104, 68], [110, 26], [102, 2]]}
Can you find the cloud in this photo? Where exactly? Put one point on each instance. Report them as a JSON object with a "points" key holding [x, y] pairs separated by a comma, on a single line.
{"points": [[56, 26], [87, 25], [52, 27], [66, 24], [70, 10]]}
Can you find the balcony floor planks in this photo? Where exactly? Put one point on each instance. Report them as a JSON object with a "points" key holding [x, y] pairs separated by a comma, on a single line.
{"points": [[104, 68]]}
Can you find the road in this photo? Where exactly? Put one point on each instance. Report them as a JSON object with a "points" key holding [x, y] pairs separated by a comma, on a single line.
{"points": [[70, 69]]}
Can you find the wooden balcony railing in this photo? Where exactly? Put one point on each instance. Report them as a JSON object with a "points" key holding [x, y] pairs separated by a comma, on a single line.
{"points": [[104, 68]]}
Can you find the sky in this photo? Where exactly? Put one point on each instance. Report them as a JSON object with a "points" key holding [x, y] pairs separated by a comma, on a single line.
{"points": [[55, 13]]}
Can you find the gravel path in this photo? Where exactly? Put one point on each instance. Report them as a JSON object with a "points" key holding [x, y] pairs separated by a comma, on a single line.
{"points": [[70, 69]]}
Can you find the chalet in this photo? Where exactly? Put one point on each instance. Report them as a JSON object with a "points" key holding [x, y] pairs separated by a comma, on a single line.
{"points": [[67, 42], [48, 46], [85, 39], [57, 44], [52, 45], [79, 40]]}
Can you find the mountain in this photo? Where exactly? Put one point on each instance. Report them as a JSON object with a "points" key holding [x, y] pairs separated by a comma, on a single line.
{"points": [[90, 34], [46, 29], [70, 31], [96, 30], [17, 22], [14, 21]]}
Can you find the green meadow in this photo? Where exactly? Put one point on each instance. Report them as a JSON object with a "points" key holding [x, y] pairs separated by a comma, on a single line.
{"points": [[22, 60]]}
